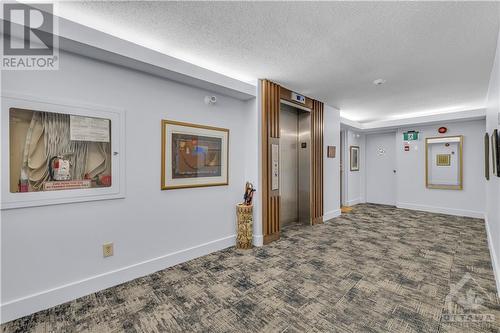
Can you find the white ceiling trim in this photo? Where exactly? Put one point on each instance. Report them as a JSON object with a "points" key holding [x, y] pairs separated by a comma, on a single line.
{"points": [[376, 126]]}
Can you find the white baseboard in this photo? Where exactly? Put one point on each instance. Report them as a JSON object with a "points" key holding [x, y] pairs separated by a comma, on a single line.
{"points": [[43, 300], [442, 210], [331, 214], [494, 259], [354, 202], [258, 240]]}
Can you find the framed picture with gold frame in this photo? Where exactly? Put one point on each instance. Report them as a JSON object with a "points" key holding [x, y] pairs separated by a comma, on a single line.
{"points": [[444, 163], [354, 158], [193, 155], [487, 156], [494, 153]]}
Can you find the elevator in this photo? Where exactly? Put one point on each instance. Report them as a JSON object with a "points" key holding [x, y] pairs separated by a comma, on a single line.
{"points": [[292, 159], [295, 164]]}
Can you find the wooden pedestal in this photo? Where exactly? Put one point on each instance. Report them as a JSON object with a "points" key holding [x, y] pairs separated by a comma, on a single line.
{"points": [[245, 229]]}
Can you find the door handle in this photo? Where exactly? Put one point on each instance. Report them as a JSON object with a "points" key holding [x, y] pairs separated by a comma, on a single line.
{"points": [[394, 171]]}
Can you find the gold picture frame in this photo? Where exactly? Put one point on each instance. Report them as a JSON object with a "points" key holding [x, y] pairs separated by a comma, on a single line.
{"points": [[494, 153], [444, 162], [193, 155], [354, 158], [443, 159], [487, 156]]}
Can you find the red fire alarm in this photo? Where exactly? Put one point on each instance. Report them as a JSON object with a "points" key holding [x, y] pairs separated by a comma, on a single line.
{"points": [[407, 147], [442, 130]]}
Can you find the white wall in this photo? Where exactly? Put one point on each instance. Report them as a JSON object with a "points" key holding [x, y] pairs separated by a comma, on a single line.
{"points": [[53, 254], [411, 190], [355, 180], [331, 166], [493, 185]]}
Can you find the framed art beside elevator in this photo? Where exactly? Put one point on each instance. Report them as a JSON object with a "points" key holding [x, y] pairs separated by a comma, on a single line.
{"points": [[330, 151], [444, 163], [354, 158], [193, 155], [56, 152]]}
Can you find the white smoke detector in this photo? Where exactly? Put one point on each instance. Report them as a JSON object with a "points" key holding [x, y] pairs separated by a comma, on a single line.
{"points": [[379, 82]]}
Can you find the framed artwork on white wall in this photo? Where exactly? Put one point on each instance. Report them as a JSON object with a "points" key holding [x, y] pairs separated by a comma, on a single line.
{"points": [[494, 153], [487, 156], [193, 155], [354, 158]]}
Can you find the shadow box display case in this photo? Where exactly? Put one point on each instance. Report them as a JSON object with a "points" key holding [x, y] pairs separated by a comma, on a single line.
{"points": [[59, 152]]}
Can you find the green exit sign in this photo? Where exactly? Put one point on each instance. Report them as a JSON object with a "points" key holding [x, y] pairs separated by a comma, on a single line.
{"points": [[410, 136]]}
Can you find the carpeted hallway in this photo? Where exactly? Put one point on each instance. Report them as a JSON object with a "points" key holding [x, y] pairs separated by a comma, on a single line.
{"points": [[375, 269]]}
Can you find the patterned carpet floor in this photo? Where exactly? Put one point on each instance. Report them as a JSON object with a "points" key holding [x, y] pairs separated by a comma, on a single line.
{"points": [[376, 269]]}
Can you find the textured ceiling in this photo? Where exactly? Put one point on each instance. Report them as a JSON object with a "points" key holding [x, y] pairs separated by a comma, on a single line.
{"points": [[435, 56]]}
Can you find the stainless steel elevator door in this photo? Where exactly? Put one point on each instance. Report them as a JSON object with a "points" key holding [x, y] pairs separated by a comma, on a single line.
{"points": [[295, 165], [288, 164], [304, 172]]}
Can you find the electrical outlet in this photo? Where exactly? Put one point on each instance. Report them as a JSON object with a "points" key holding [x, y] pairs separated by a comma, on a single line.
{"points": [[107, 250]]}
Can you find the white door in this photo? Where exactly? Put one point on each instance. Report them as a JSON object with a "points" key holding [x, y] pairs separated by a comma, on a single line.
{"points": [[380, 168]]}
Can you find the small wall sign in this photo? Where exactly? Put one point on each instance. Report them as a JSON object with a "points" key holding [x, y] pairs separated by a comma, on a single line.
{"points": [[410, 136], [298, 98]]}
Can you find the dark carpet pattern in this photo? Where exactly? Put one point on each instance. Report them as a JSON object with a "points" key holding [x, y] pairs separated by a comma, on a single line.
{"points": [[376, 269]]}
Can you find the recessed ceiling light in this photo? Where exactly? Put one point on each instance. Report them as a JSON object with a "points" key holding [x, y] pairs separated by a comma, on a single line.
{"points": [[379, 82]]}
